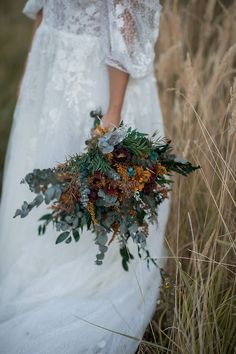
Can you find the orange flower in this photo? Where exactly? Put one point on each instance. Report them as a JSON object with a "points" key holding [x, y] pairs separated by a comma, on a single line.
{"points": [[141, 186], [132, 212], [164, 192], [91, 211], [100, 130], [161, 170], [110, 156], [138, 170], [146, 176], [122, 170], [138, 186], [142, 175]]}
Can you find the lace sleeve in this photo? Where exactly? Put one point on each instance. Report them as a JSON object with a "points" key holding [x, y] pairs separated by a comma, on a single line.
{"points": [[32, 7], [130, 29]]}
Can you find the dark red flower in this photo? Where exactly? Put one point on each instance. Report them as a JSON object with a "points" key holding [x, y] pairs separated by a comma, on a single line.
{"points": [[148, 188], [98, 175], [111, 191], [93, 195], [121, 154], [153, 174]]}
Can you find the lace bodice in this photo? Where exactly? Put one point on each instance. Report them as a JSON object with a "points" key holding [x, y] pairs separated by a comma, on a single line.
{"points": [[128, 28]]}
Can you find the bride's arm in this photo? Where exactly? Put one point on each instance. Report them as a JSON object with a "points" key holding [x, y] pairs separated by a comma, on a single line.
{"points": [[38, 20], [118, 82], [129, 29], [118, 79]]}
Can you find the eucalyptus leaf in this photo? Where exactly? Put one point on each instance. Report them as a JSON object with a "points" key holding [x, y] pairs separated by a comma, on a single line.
{"points": [[69, 219], [38, 200], [76, 235], [102, 239], [100, 256], [98, 262], [102, 248], [125, 265], [45, 217], [49, 194], [75, 223], [64, 226], [69, 239], [62, 237], [17, 213], [133, 229]]}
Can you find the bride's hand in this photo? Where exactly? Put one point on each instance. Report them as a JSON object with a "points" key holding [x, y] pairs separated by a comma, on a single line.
{"points": [[108, 122], [118, 81]]}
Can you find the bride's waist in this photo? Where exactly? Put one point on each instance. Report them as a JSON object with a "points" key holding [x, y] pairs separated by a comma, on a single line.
{"points": [[65, 46], [64, 32]]}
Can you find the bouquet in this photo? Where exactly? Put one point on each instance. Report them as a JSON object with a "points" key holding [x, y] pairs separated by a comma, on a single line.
{"points": [[113, 188]]}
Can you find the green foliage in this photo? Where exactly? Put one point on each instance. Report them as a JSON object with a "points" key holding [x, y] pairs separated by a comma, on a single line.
{"points": [[101, 240], [110, 207], [137, 142], [98, 162], [62, 237], [126, 257], [76, 235]]}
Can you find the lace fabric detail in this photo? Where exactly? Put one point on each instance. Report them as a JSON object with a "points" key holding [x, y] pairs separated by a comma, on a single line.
{"points": [[128, 29], [70, 84], [74, 16]]}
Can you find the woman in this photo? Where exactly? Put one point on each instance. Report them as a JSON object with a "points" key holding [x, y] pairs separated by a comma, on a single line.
{"points": [[54, 299]]}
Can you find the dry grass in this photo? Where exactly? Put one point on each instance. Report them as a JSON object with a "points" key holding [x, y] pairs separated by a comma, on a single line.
{"points": [[196, 76]]}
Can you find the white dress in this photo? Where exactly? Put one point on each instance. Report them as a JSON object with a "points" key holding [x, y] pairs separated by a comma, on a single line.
{"points": [[53, 298]]}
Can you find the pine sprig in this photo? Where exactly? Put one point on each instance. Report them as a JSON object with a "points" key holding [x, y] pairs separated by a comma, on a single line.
{"points": [[137, 142], [97, 162]]}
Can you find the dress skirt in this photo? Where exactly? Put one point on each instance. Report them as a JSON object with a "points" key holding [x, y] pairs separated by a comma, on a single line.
{"points": [[53, 298]]}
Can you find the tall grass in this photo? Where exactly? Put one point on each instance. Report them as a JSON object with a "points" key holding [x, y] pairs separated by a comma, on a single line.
{"points": [[196, 70], [197, 84]]}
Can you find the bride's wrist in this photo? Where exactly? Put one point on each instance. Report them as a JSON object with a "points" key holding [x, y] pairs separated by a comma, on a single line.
{"points": [[114, 111], [111, 119]]}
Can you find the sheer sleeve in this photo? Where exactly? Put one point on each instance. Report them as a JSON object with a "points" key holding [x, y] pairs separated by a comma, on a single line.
{"points": [[130, 29], [32, 7]]}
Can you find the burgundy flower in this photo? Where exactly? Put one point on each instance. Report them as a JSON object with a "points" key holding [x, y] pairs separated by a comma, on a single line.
{"points": [[148, 188], [111, 191], [93, 195], [153, 174], [98, 175], [121, 154]]}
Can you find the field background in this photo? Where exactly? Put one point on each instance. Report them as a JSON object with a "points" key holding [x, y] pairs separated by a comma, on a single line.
{"points": [[196, 71]]}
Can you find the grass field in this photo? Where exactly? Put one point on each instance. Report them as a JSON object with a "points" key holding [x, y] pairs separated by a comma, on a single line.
{"points": [[196, 71]]}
